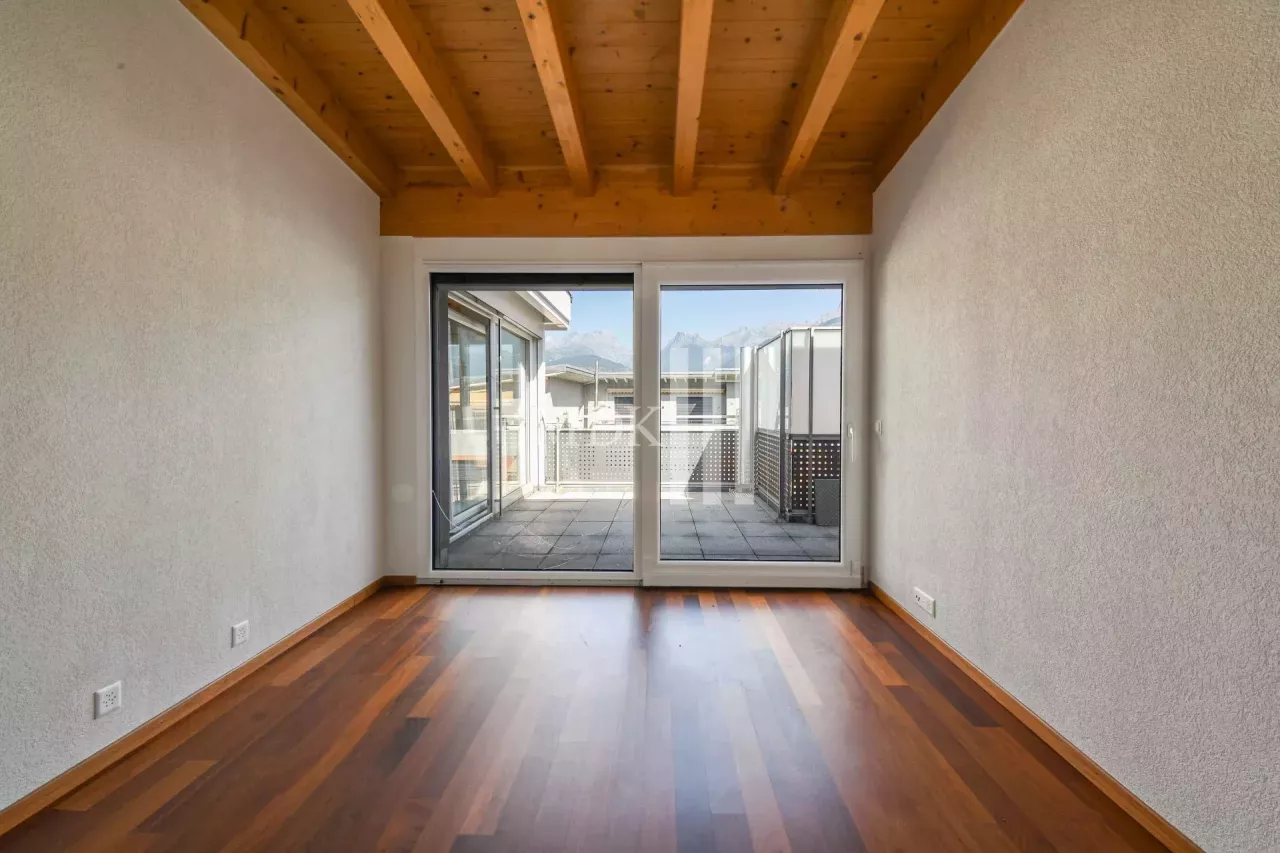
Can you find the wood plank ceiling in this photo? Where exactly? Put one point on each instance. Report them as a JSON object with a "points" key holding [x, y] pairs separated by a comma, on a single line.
{"points": [[613, 117]]}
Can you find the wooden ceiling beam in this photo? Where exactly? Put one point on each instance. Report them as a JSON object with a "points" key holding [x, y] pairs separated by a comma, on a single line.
{"points": [[551, 56], [398, 34], [258, 42], [636, 205], [951, 66], [843, 37], [695, 41]]}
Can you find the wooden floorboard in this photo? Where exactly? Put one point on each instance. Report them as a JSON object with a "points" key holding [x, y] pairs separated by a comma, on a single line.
{"points": [[499, 720]]}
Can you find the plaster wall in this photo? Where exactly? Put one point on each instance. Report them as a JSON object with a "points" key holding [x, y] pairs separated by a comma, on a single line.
{"points": [[1077, 367], [189, 372]]}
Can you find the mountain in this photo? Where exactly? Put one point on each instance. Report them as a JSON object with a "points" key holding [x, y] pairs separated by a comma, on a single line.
{"points": [[685, 351], [692, 352], [587, 361], [581, 349]]}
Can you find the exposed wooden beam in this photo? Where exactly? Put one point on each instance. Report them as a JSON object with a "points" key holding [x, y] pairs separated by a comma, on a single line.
{"points": [[521, 178], [258, 42], [951, 66], [842, 39], [695, 39], [398, 34], [551, 56], [636, 205]]}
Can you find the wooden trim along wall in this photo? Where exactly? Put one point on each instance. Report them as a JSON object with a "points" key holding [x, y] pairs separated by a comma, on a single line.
{"points": [[63, 784], [1166, 832]]}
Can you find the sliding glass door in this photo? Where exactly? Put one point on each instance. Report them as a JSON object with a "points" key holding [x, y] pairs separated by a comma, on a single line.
{"points": [[535, 448], [513, 391], [726, 449], [468, 420], [752, 380]]}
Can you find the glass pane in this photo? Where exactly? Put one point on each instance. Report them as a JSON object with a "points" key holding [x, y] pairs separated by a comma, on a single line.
{"points": [[750, 443], [513, 387], [468, 416], [564, 427]]}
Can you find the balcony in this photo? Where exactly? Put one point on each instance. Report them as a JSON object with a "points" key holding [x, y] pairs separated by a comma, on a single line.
{"points": [[578, 529], [750, 468]]}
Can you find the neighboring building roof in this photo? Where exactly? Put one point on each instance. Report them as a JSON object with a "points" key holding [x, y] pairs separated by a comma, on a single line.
{"points": [[572, 373]]}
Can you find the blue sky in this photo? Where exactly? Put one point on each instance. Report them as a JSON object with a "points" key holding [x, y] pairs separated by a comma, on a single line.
{"points": [[709, 313]]}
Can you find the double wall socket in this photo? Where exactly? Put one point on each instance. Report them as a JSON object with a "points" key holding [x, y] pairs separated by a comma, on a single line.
{"points": [[107, 700], [924, 601]]}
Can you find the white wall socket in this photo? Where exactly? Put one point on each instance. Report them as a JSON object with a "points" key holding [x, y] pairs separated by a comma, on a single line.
{"points": [[924, 601], [239, 633], [107, 700]]}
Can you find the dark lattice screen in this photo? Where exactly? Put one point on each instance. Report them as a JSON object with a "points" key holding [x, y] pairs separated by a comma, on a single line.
{"points": [[768, 465], [811, 459]]}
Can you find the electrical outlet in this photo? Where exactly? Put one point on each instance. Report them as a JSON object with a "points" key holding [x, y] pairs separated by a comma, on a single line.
{"points": [[107, 700], [239, 633], [924, 601]]}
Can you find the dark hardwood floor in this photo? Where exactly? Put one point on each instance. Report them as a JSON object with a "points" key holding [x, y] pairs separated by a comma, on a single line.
{"points": [[499, 720]]}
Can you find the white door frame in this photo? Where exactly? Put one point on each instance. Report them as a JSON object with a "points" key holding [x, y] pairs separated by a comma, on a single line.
{"points": [[518, 577], [407, 282], [849, 569]]}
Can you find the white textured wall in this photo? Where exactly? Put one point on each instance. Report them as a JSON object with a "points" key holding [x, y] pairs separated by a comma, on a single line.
{"points": [[189, 353], [1078, 369]]}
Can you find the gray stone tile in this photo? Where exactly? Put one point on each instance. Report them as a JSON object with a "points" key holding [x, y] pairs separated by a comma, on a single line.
{"points": [[750, 513], [800, 530], [527, 543], [479, 545], [775, 546], [625, 513], [713, 546], [469, 559], [596, 513], [515, 562], [680, 546], [616, 543], [758, 528], [721, 516], [520, 514], [558, 515], [547, 528], [586, 528], [501, 527], [627, 527], [615, 562], [822, 548], [716, 528], [677, 528], [568, 506], [568, 562], [578, 545], [532, 506]]}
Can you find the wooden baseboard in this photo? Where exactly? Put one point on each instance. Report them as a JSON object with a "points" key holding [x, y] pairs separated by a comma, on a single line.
{"points": [[1164, 831], [400, 580], [65, 783]]}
